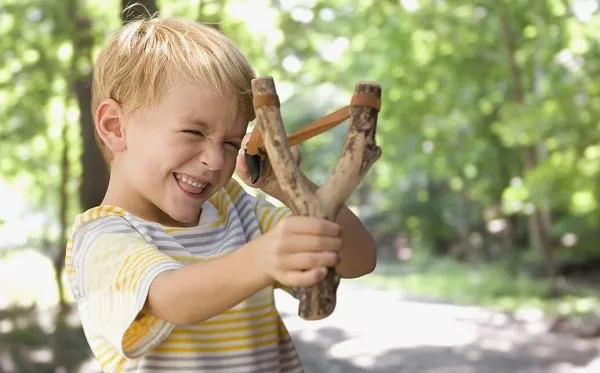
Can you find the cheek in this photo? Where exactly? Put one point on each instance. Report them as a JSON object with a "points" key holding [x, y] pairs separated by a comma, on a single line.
{"points": [[177, 151], [177, 156], [230, 163]]}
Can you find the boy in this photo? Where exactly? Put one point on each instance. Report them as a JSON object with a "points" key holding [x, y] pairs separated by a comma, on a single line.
{"points": [[175, 270]]}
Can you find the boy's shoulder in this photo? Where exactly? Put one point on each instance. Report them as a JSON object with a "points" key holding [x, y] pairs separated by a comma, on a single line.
{"points": [[98, 223], [99, 216]]}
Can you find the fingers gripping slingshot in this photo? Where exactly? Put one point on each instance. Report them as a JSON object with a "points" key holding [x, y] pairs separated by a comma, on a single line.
{"points": [[359, 152]]}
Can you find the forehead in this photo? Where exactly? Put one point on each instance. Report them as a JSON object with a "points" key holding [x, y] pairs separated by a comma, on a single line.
{"points": [[198, 105]]}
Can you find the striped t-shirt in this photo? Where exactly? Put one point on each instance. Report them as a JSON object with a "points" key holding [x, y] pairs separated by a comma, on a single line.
{"points": [[113, 256]]}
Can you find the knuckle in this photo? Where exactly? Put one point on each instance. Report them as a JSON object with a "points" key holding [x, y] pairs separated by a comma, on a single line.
{"points": [[319, 242], [326, 243], [277, 261], [328, 228], [287, 277], [333, 259], [322, 226], [316, 276], [276, 255], [308, 278], [285, 224], [313, 261], [286, 280], [337, 244], [282, 233], [277, 244], [295, 279], [303, 279], [336, 228]]}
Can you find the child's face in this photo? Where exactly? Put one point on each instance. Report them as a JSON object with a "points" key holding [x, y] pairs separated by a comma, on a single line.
{"points": [[179, 152]]}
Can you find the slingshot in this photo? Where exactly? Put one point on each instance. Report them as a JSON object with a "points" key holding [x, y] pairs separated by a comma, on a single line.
{"points": [[359, 152]]}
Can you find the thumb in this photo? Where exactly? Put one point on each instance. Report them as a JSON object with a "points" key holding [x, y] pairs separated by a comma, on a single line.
{"points": [[241, 168]]}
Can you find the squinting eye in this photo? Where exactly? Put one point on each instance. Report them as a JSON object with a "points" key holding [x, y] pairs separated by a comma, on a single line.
{"points": [[234, 145], [192, 132]]}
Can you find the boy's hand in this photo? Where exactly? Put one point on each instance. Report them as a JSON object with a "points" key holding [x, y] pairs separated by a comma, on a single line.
{"points": [[298, 250], [267, 182]]}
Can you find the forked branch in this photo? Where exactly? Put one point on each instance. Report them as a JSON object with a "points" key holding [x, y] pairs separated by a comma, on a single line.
{"points": [[359, 152]]}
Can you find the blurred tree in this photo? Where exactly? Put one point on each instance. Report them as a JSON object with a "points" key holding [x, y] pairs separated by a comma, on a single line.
{"points": [[94, 178], [94, 172], [488, 126]]}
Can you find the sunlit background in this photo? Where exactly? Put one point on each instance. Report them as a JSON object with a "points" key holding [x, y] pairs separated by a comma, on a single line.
{"points": [[484, 203]]}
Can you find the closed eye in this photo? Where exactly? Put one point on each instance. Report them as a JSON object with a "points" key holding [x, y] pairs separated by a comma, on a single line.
{"points": [[235, 145], [193, 132]]}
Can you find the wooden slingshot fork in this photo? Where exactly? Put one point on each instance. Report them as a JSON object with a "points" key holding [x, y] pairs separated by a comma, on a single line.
{"points": [[359, 152]]}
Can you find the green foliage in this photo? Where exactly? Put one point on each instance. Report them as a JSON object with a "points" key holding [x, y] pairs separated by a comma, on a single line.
{"points": [[469, 89], [452, 119], [35, 40], [484, 285]]}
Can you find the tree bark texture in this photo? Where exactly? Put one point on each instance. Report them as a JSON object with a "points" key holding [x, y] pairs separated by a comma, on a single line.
{"points": [[359, 152]]}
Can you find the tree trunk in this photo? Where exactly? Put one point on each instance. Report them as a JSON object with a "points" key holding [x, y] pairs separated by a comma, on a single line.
{"points": [[538, 226], [94, 178], [95, 175], [81, 30], [65, 168]]}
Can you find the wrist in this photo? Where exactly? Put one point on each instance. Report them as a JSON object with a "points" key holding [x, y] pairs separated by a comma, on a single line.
{"points": [[255, 259]]}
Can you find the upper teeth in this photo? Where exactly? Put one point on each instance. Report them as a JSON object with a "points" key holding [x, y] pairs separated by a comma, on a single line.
{"points": [[185, 179]]}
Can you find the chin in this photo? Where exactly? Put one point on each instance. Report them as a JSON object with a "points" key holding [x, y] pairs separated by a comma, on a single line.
{"points": [[183, 215], [184, 210]]}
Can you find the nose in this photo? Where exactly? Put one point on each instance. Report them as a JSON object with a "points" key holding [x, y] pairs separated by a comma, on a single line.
{"points": [[212, 157]]}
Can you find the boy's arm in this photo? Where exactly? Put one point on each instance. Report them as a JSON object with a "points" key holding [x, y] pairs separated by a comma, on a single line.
{"points": [[359, 253], [132, 295], [295, 252], [205, 289]]}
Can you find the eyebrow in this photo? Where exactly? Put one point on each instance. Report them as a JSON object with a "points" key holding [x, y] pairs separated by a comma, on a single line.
{"points": [[195, 121], [202, 124]]}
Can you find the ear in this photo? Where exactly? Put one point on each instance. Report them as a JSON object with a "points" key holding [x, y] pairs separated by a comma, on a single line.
{"points": [[110, 125]]}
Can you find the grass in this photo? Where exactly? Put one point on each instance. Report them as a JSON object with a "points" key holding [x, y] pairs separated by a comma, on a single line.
{"points": [[485, 285]]}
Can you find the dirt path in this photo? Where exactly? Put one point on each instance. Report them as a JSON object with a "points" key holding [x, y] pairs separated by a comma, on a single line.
{"points": [[382, 331]]}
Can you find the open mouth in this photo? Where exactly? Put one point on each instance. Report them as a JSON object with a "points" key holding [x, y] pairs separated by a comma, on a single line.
{"points": [[191, 185]]}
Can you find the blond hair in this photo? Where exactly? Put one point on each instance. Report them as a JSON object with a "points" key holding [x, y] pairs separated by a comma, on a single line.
{"points": [[135, 66]]}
